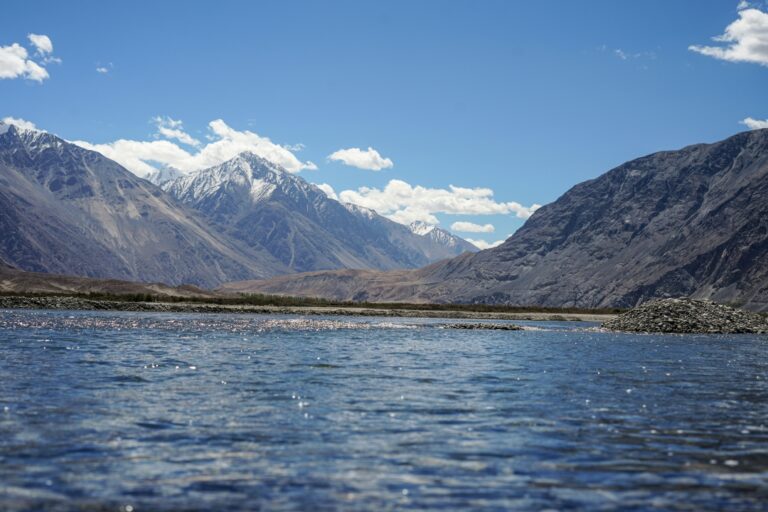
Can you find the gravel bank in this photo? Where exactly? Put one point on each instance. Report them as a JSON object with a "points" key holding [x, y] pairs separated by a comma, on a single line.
{"points": [[688, 316], [73, 303]]}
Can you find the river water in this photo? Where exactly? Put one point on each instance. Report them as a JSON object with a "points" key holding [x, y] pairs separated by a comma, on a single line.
{"points": [[148, 411]]}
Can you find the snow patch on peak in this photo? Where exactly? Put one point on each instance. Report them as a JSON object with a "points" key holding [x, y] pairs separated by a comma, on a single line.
{"points": [[27, 134], [260, 189], [440, 236], [246, 172], [163, 175], [360, 210], [20, 125], [255, 161], [421, 228]]}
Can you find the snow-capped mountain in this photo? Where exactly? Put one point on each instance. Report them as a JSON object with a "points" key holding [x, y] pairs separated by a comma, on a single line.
{"points": [[68, 210], [442, 238], [163, 175], [258, 202], [421, 228], [686, 223]]}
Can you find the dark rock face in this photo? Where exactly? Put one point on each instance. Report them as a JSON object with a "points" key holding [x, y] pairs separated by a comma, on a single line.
{"points": [[692, 222], [685, 316], [263, 205], [67, 210]]}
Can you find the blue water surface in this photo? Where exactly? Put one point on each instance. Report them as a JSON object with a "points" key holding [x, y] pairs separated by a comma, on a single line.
{"points": [[148, 411]]}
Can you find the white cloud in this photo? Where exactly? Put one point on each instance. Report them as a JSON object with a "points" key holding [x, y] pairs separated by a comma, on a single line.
{"points": [[14, 63], [173, 129], [482, 244], [743, 4], [755, 124], [471, 227], [140, 157], [104, 69], [42, 43], [328, 190], [21, 123], [744, 40], [410, 215], [369, 159], [404, 203]]}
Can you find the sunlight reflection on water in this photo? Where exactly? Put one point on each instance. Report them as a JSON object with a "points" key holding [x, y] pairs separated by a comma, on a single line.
{"points": [[170, 411]]}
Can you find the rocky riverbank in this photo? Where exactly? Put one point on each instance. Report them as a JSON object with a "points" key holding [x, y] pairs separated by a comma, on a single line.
{"points": [[75, 303], [688, 316]]}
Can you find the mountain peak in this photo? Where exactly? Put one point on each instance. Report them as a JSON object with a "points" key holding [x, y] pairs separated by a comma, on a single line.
{"points": [[70, 210], [163, 175], [256, 162], [28, 135], [246, 175], [18, 128], [421, 228], [361, 210]]}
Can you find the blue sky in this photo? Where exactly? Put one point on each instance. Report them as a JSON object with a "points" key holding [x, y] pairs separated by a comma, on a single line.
{"points": [[525, 99]]}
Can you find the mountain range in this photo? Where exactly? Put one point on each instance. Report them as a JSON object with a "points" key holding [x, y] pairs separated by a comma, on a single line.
{"points": [[260, 204], [68, 210], [691, 222]]}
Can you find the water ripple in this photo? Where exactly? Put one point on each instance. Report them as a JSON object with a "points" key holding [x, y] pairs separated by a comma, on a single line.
{"points": [[105, 411]]}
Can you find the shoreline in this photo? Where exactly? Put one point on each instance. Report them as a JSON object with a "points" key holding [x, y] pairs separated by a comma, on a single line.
{"points": [[73, 303]]}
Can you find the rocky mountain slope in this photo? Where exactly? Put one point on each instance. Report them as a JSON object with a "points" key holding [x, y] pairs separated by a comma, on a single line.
{"points": [[13, 280], [692, 222], [67, 210], [257, 202]]}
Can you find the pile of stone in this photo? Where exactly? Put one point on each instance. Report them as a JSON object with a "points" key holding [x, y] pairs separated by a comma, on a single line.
{"points": [[482, 326], [688, 316]]}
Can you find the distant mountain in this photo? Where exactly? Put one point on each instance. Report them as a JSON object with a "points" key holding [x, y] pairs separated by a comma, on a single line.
{"points": [[259, 203], [443, 239], [692, 222], [163, 175], [67, 210]]}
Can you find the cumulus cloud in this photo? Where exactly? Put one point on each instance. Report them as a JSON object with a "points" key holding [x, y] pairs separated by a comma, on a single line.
{"points": [[369, 159], [482, 244], [14, 63], [755, 124], [42, 43], [410, 215], [21, 123], [328, 190], [102, 70], [744, 40], [471, 227], [405, 203], [173, 129], [142, 157]]}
